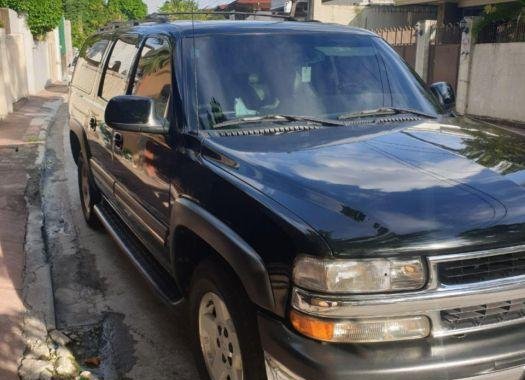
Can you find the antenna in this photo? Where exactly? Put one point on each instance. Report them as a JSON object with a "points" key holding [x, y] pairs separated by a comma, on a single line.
{"points": [[195, 83]]}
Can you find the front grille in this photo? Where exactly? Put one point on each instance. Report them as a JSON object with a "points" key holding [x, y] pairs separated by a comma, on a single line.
{"points": [[483, 315], [480, 269]]}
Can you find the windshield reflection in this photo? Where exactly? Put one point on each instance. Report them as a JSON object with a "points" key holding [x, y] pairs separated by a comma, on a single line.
{"points": [[323, 75]]}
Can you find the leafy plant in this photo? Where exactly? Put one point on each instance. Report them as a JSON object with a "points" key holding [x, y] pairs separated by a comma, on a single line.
{"points": [[127, 9], [494, 13], [88, 16], [181, 6], [42, 15]]}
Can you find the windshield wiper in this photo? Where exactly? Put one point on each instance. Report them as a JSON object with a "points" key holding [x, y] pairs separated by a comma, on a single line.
{"points": [[277, 117], [383, 111]]}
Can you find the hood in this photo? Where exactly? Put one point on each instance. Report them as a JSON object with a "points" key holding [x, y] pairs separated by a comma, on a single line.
{"points": [[377, 189]]}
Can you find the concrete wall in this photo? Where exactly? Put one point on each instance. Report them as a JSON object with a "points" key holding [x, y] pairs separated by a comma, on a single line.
{"points": [[385, 16], [497, 81], [41, 67], [339, 14], [17, 71], [26, 65]]}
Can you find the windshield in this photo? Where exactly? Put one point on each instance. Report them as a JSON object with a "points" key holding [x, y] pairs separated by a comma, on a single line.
{"points": [[323, 75]]}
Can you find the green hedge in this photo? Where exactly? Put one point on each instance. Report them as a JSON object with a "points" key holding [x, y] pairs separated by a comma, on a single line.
{"points": [[87, 16], [42, 15]]}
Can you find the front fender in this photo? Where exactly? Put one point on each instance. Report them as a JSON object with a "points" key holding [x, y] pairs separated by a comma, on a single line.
{"points": [[242, 258]]}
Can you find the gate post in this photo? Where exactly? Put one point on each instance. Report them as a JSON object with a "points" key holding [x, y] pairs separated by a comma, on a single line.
{"points": [[424, 32], [465, 56]]}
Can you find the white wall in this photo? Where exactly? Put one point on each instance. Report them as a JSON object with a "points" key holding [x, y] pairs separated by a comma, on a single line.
{"points": [[339, 14], [41, 67], [18, 66], [497, 81], [27, 66]]}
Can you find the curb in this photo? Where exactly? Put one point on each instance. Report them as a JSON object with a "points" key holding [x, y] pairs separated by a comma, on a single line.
{"points": [[39, 320], [38, 293]]}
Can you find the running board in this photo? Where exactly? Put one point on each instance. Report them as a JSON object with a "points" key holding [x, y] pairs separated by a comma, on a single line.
{"points": [[159, 279]]}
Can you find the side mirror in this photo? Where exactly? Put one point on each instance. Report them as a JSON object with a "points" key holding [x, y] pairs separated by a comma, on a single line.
{"points": [[445, 95], [133, 114]]}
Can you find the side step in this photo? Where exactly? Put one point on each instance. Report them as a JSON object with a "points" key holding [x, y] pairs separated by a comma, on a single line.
{"points": [[160, 280]]}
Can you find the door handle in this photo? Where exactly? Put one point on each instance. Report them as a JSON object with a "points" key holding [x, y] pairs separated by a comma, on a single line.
{"points": [[92, 123], [118, 141]]}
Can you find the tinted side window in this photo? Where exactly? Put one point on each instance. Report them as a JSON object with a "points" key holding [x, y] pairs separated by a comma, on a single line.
{"points": [[88, 62], [153, 76], [118, 67]]}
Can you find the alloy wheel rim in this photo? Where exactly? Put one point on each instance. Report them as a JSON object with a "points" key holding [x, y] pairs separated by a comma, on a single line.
{"points": [[219, 341]]}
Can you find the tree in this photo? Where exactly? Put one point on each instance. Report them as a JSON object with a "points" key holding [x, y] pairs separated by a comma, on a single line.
{"points": [[127, 9], [181, 6], [87, 16], [42, 15], [499, 13]]}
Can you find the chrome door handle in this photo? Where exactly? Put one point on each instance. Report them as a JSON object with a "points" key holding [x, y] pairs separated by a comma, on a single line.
{"points": [[118, 141], [92, 123]]}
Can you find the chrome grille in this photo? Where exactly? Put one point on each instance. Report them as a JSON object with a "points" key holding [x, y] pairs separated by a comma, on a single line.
{"points": [[483, 315], [480, 269]]}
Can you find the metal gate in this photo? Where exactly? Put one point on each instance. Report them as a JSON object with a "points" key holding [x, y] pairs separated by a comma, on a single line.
{"points": [[445, 46], [403, 41]]}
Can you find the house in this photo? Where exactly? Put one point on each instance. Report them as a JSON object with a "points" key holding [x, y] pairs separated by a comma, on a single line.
{"points": [[245, 6], [370, 14]]}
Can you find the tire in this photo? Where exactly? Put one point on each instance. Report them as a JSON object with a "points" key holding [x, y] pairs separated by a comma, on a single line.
{"points": [[213, 283], [89, 194]]}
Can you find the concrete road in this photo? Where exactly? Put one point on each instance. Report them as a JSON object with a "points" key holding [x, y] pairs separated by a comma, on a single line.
{"points": [[101, 301]]}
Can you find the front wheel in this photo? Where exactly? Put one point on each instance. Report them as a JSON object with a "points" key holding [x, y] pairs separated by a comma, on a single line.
{"points": [[89, 194], [225, 335]]}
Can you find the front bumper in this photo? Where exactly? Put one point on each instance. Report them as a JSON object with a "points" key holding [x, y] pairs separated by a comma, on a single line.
{"points": [[494, 355]]}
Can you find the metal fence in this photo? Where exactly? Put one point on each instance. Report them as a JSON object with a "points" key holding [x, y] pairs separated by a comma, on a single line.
{"points": [[498, 32], [446, 34], [398, 35]]}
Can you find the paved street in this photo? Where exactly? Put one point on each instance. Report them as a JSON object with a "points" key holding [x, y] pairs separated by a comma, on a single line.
{"points": [[101, 301]]}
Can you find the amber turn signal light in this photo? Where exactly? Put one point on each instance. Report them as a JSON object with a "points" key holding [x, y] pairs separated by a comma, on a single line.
{"points": [[312, 327]]}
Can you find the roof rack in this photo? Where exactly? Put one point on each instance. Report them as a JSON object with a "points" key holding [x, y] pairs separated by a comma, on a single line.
{"points": [[118, 24], [165, 16], [162, 17]]}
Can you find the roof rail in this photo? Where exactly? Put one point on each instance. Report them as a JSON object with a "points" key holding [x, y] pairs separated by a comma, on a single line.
{"points": [[165, 16], [118, 24]]}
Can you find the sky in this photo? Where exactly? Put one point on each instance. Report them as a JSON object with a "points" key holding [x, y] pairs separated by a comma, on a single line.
{"points": [[153, 5]]}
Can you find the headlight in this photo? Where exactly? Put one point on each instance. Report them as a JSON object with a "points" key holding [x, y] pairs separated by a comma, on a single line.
{"points": [[361, 330], [360, 275]]}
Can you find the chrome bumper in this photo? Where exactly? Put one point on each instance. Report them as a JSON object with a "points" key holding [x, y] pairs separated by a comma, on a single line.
{"points": [[511, 374]]}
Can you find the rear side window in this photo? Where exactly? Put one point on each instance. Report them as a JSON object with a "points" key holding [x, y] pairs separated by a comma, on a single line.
{"points": [[118, 67], [153, 76], [88, 63]]}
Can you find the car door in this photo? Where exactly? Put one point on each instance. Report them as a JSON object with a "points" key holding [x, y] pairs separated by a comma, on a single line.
{"points": [[83, 105], [142, 187], [114, 80]]}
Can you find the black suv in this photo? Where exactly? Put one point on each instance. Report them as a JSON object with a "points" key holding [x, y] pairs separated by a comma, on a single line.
{"points": [[324, 214]]}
